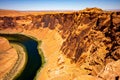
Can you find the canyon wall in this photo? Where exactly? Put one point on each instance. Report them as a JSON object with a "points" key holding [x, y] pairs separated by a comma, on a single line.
{"points": [[91, 37]]}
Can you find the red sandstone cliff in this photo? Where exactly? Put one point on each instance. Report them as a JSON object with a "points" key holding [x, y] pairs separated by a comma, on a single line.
{"points": [[92, 36]]}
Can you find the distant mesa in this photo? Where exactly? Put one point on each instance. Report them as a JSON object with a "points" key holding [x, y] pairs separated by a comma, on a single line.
{"points": [[94, 9]]}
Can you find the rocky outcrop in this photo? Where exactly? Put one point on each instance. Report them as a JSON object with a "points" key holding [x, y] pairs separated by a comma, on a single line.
{"points": [[111, 71], [8, 58], [95, 41], [92, 36], [64, 21], [90, 30], [7, 22]]}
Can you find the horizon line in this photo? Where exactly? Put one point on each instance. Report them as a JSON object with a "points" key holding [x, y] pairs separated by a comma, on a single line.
{"points": [[55, 9]]}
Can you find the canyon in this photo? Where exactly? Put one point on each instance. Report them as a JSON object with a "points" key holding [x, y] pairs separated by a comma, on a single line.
{"points": [[78, 45]]}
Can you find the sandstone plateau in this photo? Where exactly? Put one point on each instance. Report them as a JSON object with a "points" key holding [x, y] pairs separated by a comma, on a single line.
{"points": [[81, 45]]}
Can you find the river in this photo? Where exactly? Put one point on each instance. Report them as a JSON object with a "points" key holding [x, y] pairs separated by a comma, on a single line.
{"points": [[34, 61]]}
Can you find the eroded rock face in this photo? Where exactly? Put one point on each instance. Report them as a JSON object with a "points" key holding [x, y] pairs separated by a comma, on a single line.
{"points": [[8, 22], [92, 36], [111, 71], [94, 42], [63, 21]]}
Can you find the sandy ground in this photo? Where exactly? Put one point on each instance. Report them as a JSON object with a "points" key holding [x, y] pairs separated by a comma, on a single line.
{"points": [[21, 61]]}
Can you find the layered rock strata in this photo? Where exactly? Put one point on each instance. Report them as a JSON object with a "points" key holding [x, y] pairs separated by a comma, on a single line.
{"points": [[91, 37]]}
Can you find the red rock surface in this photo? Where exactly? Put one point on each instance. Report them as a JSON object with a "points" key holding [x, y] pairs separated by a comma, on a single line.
{"points": [[91, 37]]}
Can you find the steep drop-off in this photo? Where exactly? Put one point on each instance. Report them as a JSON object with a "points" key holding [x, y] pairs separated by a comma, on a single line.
{"points": [[91, 36]]}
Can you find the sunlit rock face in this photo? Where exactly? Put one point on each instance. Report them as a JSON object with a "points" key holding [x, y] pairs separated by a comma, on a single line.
{"points": [[91, 36], [8, 57], [111, 71], [4, 44], [95, 41]]}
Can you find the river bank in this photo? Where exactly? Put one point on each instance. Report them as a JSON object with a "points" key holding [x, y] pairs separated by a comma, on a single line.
{"points": [[21, 62], [33, 54], [57, 66]]}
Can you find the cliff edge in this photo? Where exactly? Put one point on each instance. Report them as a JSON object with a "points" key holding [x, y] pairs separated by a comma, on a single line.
{"points": [[91, 37]]}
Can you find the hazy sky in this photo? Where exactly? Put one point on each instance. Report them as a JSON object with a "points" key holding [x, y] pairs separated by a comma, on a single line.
{"points": [[58, 4]]}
